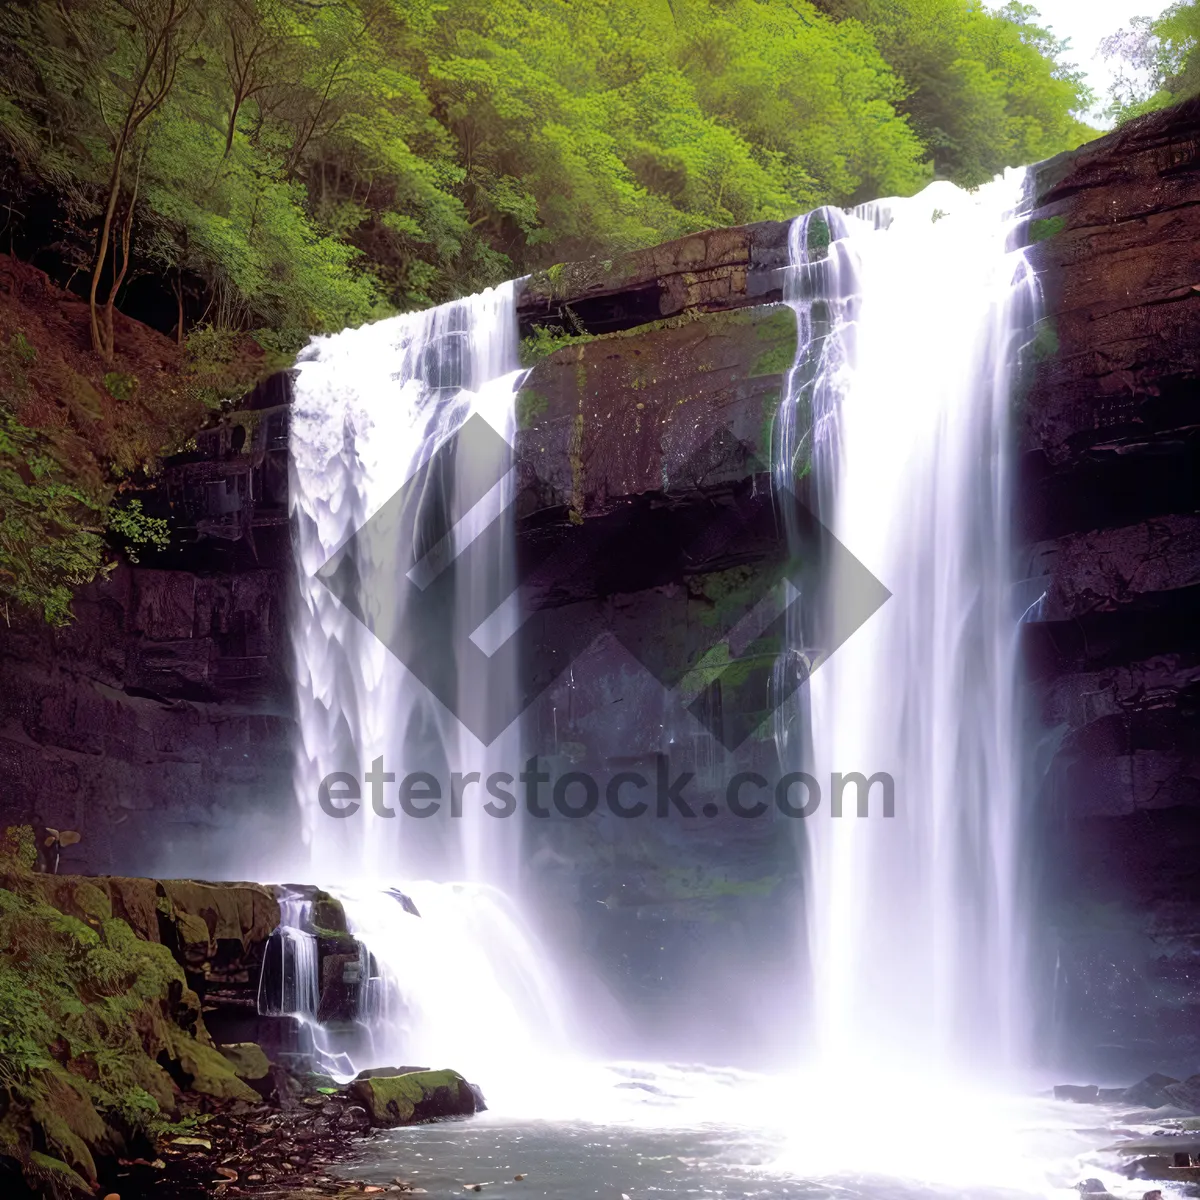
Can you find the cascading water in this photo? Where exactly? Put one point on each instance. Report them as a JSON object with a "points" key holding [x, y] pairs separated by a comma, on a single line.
{"points": [[372, 405], [912, 314]]}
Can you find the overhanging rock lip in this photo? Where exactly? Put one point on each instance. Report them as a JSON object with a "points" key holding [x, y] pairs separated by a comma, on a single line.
{"points": [[707, 271]]}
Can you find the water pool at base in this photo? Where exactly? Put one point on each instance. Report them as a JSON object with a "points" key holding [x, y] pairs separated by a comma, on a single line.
{"points": [[651, 1130]]}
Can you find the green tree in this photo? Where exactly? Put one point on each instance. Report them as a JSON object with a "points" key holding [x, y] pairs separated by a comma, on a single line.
{"points": [[302, 166], [985, 90], [1158, 61]]}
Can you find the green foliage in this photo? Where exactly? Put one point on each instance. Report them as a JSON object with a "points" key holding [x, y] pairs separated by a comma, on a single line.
{"points": [[1158, 61], [545, 339], [74, 1001], [307, 166], [120, 385], [316, 165], [136, 528], [212, 364], [984, 89], [53, 521], [88, 1010], [51, 538]]}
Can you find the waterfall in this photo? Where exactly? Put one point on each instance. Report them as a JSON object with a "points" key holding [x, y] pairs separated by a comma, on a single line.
{"points": [[452, 977], [371, 406], [912, 314], [911, 317]]}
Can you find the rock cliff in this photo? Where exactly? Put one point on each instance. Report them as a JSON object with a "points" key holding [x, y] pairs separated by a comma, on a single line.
{"points": [[162, 715], [1110, 512]]}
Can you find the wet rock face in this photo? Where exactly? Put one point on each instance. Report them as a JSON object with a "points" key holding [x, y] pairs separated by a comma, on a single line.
{"points": [[154, 720], [677, 408], [712, 271], [1116, 246], [1108, 503]]}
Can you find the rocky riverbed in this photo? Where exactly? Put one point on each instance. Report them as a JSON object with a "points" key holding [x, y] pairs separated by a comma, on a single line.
{"points": [[292, 1145]]}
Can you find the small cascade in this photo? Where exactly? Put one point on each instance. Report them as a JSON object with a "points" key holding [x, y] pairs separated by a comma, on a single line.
{"points": [[912, 314], [289, 985]]}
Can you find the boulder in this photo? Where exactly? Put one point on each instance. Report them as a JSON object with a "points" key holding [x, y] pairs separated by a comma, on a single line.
{"points": [[1149, 1092], [1185, 1095], [378, 1072], [247, 1060], [415, 1097]]}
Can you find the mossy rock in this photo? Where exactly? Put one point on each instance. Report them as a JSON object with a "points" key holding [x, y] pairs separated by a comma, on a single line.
{"points": [[92, 1018], [243, 912], [327, 915], [209, 1072], [415, 1098], [246, 1059]]}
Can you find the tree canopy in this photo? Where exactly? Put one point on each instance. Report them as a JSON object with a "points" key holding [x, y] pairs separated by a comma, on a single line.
{"points": [[1158, 61], [298, 165]]}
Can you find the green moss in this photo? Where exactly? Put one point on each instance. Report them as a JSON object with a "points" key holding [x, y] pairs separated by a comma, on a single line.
{"points": [[1047, 227], [546, 340], [1045, 341], [246, 1059], [779, 323], [210, 1072], [531, 405], [24, 351], [18, 848], [393, 1099], [86, 1010], [328, 914], [54, 1174], [779, 329], [716, 665], [120, 385], [724, 594], [819, 237], [775, 361]]}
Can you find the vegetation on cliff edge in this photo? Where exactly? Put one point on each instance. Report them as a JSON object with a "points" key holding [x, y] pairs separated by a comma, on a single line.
{"points": [[299, 167], [276, 168], [1158, 61]]}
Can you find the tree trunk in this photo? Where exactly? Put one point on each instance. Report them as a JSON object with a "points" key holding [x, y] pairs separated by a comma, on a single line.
{"points": [[101, 347]]}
